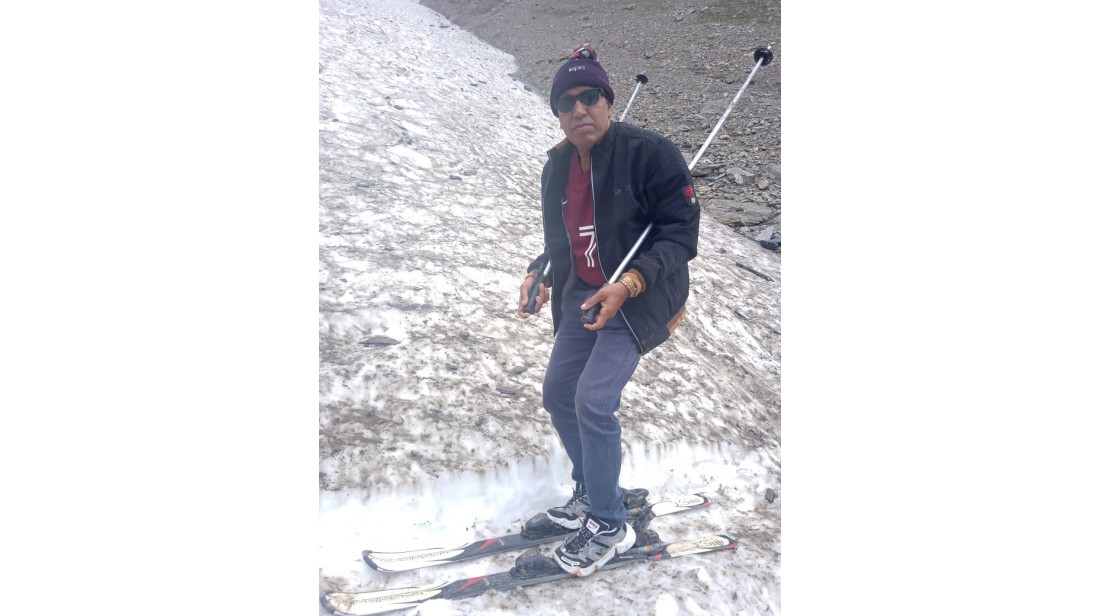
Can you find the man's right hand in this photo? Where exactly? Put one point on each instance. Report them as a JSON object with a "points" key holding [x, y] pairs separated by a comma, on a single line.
{"points": [[524, 295]]}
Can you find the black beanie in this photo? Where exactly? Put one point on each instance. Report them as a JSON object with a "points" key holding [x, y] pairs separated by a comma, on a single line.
{"points": [[580, 69]]}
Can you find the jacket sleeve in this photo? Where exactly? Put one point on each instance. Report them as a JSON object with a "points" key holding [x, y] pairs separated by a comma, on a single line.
{"points": [[540, 261], [674, 239]]}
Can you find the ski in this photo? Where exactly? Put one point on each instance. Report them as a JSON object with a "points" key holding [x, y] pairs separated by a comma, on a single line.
{"points": [[531, 568], [538, 530]]}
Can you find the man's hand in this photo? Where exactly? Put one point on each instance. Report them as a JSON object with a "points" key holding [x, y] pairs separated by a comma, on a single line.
{"points": [[611, 298], [524, 295]]}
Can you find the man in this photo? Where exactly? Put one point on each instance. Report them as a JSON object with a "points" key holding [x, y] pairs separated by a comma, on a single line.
{"points": [[602, 185]]}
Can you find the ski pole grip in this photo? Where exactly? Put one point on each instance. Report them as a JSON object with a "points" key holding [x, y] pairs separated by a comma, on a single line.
{"points": [[533, 293], [589, 316]]}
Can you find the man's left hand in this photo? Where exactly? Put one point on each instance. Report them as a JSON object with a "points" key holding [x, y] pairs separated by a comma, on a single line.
{"points": [[611, 298]]}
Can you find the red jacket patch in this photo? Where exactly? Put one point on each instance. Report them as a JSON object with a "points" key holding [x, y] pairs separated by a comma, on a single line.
{"points": [[689, 194]]}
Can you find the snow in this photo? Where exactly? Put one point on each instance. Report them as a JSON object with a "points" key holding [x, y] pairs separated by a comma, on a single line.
{"points": [[430, 155]]}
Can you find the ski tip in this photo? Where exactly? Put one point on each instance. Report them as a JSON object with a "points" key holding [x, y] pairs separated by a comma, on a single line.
{"points": [[326, 602], [731, 542], [333, 600], [370, 562], [373, 564]]}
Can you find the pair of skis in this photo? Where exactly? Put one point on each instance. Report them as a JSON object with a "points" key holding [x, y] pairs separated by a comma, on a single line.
{"points": [[538, 530], [531, 567]]}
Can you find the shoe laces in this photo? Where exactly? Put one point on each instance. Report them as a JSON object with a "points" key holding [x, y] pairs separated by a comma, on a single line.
{"points": [[578, 494], [579, 540]]}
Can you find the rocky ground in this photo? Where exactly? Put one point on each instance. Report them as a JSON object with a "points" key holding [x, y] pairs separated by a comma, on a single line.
{"points": [[695, 56]]}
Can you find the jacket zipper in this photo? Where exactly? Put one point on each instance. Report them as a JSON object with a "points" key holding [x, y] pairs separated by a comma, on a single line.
{"points": [[595, 236], [565, 223]]}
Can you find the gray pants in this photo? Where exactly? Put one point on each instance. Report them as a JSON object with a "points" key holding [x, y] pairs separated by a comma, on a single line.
{"points": [[582, 391]]}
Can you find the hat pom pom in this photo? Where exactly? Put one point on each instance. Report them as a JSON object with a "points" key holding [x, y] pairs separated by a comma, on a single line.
{"points": [[582, 52]]}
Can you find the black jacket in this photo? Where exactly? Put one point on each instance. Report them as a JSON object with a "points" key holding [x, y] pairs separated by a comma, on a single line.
{"points": [[638, 177]]}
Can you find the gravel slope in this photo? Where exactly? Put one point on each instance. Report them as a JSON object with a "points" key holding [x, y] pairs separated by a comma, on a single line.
{"points": [[696, 57]]}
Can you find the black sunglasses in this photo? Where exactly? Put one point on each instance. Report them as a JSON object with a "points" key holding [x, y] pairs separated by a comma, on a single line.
{"points": [[589, 97]]}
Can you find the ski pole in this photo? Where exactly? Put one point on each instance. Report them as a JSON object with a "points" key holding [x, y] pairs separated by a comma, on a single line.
{"points": [[642, 80], [763, 56]]}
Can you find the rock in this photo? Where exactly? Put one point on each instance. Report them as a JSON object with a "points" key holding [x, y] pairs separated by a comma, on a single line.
{"points": [[769, 495], [773, 171], [517, 369], [704, 170], [766, 234], [769, 239], [740, 176], [737, 213], [379, 341]]}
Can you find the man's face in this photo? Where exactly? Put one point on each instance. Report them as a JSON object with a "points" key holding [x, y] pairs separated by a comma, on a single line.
{"points": [[584, 125]]}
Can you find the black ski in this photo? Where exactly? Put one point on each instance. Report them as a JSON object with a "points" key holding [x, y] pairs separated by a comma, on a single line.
{"points": [[531, 568], [538, 530]]}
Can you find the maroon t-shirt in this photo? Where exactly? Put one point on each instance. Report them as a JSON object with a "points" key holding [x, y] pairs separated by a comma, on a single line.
{"points": [[580, 221]]}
